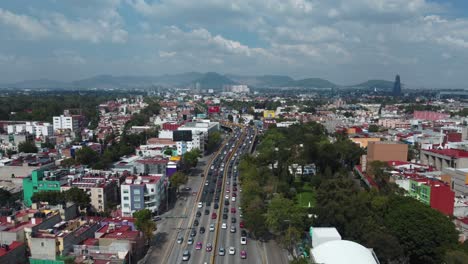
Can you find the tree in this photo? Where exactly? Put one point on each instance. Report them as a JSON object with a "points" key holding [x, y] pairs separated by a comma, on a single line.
{"points": [[86, 156], [68, 162], [177, 179], [230, 118], [190, 158], [78, 196], [27, 147], [168, 152], [289, 239], [144, 223], [213, 141], [373, 128], [282, 213], [48, 145]]}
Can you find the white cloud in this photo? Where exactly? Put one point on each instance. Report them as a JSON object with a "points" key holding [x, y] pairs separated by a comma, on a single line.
{"points": [[28, 25], [68, 57], [167, 54]]}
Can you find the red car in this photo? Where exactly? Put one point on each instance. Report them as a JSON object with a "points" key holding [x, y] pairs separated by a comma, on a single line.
{"points": [[198, 246], [234, 188], [241, 224], [214, 216], [234, 194], [243, 254], [233, 210]]}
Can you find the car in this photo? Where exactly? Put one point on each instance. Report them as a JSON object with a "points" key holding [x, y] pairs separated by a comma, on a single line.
{"points": [[209, 247], [227, 191], [198, 213], [233, 210], [225, 216], [190, 241], [216, 206], [234, 189], [216, 200], [243, 241], [241, 224], [224, 226], [243, 233], [198, 246], [208, 204], [228, 183], [207, 212], [212, 227], [226, 202], [243, 254], [180, 239], [186, 255], [233, 229], [206, 183], [225, 210], [202, 230], [226, 196], [157, 218], [232, 250], [187, 189], [195, 223], [233, 199], [193, 233], [200, 204], [221, 251], [234, 194], [233, 220]]}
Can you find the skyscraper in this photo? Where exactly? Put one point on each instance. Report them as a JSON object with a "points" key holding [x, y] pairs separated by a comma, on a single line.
{"points": [[397, 86]]}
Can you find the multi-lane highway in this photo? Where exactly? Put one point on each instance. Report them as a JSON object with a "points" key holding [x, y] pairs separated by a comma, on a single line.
{"points": [[214, 221]]}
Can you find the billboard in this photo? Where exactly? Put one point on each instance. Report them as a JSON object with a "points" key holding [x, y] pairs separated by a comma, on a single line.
{"points": [[182, 135], [213, 109], [269, 114]]}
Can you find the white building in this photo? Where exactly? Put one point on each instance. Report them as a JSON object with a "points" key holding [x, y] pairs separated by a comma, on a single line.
{"points": [[165, 134], [63, 122], [198, 141], [142, 192], [34, 128], [207, 128]]}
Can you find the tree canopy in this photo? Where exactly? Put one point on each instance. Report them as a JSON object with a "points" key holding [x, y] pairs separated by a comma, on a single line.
{"points": [[27, 147], [144, 223]]}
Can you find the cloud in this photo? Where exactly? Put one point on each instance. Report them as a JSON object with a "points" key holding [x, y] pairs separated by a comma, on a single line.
{"points": [[68, 57], [28, 25]]}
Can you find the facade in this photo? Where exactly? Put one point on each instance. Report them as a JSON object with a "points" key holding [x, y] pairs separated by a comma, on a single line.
{"points": [[434, 193], [33, 128], [429, 115], [64, 122], [445, 158], [387, 151], [198, 141], [363, 142], [207, 128], [269, 114], [156, 165], [394, 123], [41, 180], [142, 192], [457, 179]]}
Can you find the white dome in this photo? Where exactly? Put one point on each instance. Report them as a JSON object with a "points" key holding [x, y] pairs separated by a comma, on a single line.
{"points": [[342, 252]]}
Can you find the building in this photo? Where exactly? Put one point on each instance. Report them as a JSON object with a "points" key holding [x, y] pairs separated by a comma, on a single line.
{"points": [[394, 123], [328, 248], [457, 179], [155, 165], [103, 188], [197, 142], [397, 86], [65, 122], [445, 158], [207, 128], [387, 151], [42, 180], [269, 114], [13, 253], [363, 141], [429, 115], [434, 193], [142, 192], [33, 128]]}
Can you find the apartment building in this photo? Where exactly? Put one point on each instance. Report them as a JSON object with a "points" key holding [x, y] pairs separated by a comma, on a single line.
{"points": [[142, 192], [386, 151], [33, 128], [445, 158], [65, 122]]}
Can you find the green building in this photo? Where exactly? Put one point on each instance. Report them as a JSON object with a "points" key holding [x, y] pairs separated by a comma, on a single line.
{"points": [[420, 191], [37, 183]]}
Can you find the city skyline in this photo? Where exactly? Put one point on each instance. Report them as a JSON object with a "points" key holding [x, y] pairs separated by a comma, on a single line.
{"points": [[345, 42]]}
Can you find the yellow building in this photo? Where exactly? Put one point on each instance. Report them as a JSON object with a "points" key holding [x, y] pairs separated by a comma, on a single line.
{"points": [[268, 114], [362, 142]]}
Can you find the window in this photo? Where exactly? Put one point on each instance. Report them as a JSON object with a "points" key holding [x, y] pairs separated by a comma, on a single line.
{"points": [[126, 205], [136, 198], [125, 191], [137, 206], [152, 189], [136, 191], [99, 196], [100, 207], [125, 198], [42, 244]]}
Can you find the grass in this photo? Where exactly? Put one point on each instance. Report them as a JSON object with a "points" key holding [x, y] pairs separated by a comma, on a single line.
{"points": [[305, 195]]}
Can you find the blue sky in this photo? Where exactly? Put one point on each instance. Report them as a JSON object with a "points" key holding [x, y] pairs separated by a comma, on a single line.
{"points": [[345, 41]]}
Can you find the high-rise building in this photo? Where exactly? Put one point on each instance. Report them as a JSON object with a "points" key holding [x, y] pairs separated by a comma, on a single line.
{"points": [[397, 86]]}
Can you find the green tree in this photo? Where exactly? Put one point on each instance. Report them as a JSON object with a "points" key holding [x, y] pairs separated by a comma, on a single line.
{"points": [[177, 179], [282, 213], [27, 147], [230, 118], [373, 128], [68, 162], [213, 141], [144, 223], [289, 239], [190, 158], [86, 156], [78, 196]]}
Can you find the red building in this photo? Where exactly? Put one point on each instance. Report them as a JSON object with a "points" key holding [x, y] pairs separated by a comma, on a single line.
{"points": [[442, 197], [170, 126], [429, 115]]}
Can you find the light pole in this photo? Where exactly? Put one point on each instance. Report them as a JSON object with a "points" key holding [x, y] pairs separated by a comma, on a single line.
{"points": [[167, 195]]}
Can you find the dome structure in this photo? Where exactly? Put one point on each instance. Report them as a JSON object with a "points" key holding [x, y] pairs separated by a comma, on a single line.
{"points": [[343, 251]]}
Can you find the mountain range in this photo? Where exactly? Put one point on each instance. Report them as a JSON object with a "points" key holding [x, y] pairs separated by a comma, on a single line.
{"points": [[209, 80]]}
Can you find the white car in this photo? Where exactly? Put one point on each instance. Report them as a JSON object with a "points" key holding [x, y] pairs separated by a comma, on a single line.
{"points": [[243, 241], [206, 183], [227, 196], [212, 227], [200, 204], [224, 226], [233, 199], [232, 250]]}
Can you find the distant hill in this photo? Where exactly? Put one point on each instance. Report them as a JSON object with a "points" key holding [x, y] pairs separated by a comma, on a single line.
{"points": [[179, 79], [37, 84], [262, 81], [213, 80], [371, 84], [312, 83]]}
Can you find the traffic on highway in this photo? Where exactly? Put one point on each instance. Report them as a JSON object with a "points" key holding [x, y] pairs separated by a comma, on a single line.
{"points": [[214, 231]]}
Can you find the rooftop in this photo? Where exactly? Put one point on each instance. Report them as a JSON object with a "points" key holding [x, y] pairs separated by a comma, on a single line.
{"points": [[13, 245], [455, 153]]}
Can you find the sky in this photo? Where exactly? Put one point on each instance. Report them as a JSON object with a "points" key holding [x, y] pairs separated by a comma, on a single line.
{"points": [[344, 41]]}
